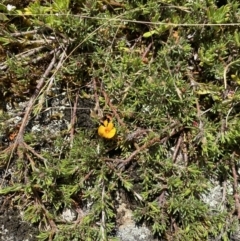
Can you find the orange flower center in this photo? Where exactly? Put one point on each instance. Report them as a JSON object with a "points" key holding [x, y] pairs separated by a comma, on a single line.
{"points": [[107, 129]]}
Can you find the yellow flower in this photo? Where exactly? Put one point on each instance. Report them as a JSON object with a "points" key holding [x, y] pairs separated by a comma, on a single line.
{"points": [[107, 130]]}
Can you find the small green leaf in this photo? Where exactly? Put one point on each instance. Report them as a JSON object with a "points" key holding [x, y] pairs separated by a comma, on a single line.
{"points": [[236, 78], [149, 34], [3, 17], [3, 8]]}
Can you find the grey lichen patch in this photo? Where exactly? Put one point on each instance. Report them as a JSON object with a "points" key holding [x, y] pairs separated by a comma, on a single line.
{"points": [[128, 230], [69, 215], [13, 228]]}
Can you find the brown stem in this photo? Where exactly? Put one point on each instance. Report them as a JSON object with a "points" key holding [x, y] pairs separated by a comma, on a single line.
{"points": [[96, 97], [153, 141], [141, 148], [185, 153], [23, 55], [73, 118], [19, 138], [34, 152], [177, 148], [108, 102], [147, 51]]}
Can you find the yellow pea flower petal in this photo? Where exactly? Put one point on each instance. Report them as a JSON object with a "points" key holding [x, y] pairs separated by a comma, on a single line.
{"points": [[107, 130], [105, 123], [110, 125], [101, 131], [110, 134]]}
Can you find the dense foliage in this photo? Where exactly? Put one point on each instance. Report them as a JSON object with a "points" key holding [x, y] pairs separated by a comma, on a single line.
{"points": [[164, 72]]}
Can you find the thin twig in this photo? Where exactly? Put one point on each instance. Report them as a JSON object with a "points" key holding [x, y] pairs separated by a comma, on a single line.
{"points": [[36, 31], [97, 108], [32, 165], [152, 142], [229, 111], [143, 147], [73, 118], [22, 55], [138, 133], [38, 41], [185, 153], [103, 221], [50, 220], [176, 149], [34, 152], [113, 109], [38, 58], [45, 90], [225, 72], [19, 137], [146, 51]]}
